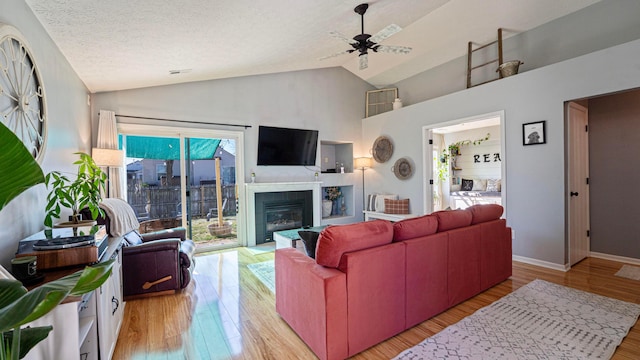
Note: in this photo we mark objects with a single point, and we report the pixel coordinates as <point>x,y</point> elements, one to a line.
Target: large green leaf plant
<point>18,169</point>
<point>18,172</point>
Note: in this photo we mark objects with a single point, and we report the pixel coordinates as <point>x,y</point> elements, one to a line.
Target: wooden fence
<point>156,202</point>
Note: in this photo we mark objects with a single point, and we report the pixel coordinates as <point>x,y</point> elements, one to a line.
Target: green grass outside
<point>201,236</point>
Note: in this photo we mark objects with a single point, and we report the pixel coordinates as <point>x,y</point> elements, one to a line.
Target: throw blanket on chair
<point>122,219</point>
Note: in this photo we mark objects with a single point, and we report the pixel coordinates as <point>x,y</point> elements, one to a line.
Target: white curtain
<point>108,139</point>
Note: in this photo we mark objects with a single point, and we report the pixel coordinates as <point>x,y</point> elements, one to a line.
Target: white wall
<point>535,174</point>
<point>331,100</point>
<point>68,125</point>
<point>479,168</point>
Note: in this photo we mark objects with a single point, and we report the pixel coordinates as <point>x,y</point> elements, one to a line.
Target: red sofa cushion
<point>376,295</point>
<point>415,227</point>
<point>484,213</point>
<point>426,277</point>
<point>495,253</point>
<point>452,219</point>
<point>334,241</point>
<point>463,269</point>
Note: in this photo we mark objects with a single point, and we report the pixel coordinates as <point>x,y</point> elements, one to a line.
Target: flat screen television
<point>284,146</point>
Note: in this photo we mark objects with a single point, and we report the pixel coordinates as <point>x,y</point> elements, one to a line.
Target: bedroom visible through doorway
<point>465,163</point>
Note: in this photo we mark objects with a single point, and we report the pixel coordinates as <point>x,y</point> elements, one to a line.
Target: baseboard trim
<point>542,263</point>
<point>617,258</point>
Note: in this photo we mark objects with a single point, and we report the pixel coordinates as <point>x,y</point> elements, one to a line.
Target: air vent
<point>182,71</point>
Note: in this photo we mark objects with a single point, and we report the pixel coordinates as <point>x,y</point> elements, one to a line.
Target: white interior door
<point>578,187</point>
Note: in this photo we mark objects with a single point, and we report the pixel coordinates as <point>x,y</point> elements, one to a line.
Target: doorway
<point>613,145</point>
<point>464,162</point>
<point>188,178</point>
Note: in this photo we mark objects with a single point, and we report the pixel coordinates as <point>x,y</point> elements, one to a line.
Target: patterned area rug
<point>629,272</point>
<point>540,320</point>
<point>265,272</point>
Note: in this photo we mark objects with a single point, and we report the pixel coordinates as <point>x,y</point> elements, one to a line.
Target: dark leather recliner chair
<point>155,263</point>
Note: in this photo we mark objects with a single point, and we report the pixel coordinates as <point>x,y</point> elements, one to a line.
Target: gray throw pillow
<point>309,239</point>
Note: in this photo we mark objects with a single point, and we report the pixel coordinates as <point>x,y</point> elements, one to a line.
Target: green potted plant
<point>18,172</point>
<point>82,192</point>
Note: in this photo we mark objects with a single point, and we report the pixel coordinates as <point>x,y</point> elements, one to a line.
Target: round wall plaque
<point>402,169</point>
<point>382,149</point>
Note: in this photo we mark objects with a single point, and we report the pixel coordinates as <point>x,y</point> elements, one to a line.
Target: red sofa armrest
<point>312,299</point>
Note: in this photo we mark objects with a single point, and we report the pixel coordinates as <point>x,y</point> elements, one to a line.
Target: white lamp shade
<point>108,157</point>
<point>362,163</point>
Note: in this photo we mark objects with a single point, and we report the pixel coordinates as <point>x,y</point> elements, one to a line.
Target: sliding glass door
<point>180,180</point>
<point>211,192</point>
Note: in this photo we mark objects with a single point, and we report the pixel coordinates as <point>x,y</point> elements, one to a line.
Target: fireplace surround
<point>282,210</point>
<point>257,188</point>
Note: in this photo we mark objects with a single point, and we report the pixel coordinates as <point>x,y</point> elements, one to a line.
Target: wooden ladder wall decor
<point>471,67</point>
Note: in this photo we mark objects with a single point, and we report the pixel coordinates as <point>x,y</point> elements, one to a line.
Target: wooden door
<point>578,185</point>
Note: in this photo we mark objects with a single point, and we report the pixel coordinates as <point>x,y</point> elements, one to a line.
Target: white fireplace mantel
<point>253,188</point>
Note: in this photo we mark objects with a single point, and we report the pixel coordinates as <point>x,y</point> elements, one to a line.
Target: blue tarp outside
<point>161,148</point>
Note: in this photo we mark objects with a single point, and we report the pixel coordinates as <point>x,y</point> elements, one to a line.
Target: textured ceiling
<point>123,44</point>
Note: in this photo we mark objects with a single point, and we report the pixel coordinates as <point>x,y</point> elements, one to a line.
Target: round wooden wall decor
<point>382,149</point>
<point>402,169</point>
<point>22,100</point>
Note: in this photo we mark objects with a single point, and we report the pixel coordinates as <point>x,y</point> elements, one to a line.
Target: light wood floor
<point>227,313</point>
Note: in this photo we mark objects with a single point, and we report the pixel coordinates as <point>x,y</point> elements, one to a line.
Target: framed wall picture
<point>533,133</point>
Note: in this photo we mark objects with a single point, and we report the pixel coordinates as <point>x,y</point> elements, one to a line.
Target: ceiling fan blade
<point>392,49</point>
<point>385,33</point>
<point>364,61</point>
<point>336,54</point>
<point>337,35</point>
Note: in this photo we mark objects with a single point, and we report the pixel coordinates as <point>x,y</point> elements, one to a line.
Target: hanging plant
<point>452,151</point>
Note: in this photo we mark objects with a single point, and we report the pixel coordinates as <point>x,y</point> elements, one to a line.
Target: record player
<point>63,247</point>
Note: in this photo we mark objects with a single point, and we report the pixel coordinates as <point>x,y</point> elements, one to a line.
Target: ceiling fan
<point>365,42</point>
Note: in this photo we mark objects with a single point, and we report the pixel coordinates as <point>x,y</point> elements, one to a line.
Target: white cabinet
<point>88,327</point>
<point>110,309</point>
<point>84,328</point>
<point>62,342</point>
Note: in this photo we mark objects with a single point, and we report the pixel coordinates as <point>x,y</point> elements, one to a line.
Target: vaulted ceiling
<point>123,44</point>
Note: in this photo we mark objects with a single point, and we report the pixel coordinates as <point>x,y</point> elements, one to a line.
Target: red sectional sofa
<point>375,279</point>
